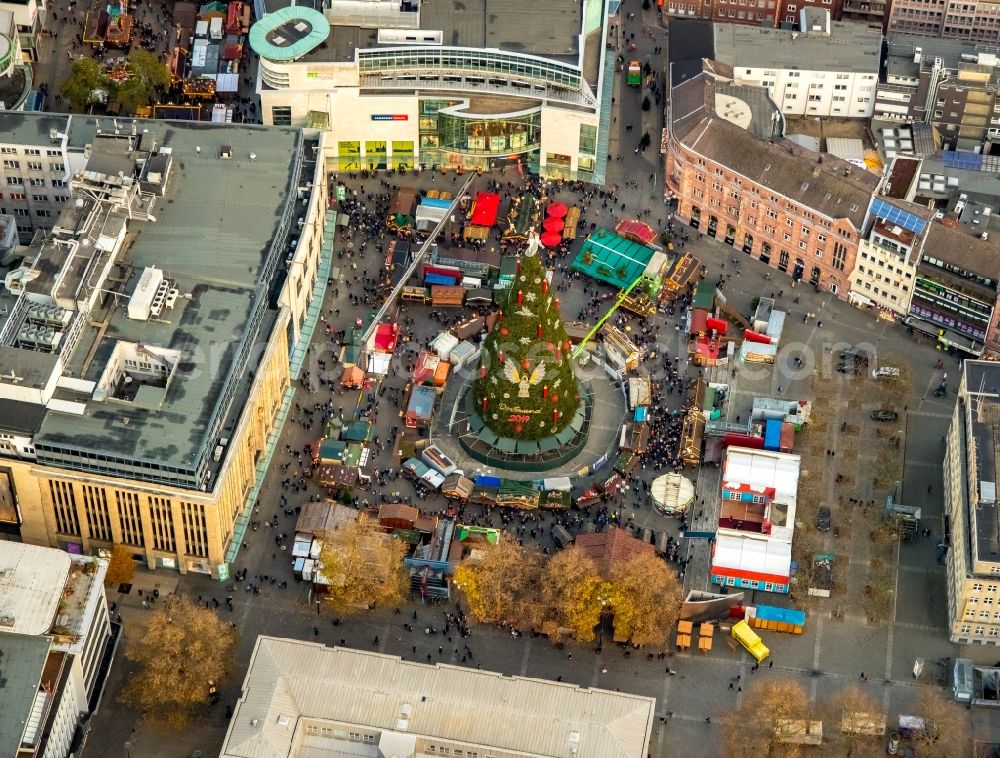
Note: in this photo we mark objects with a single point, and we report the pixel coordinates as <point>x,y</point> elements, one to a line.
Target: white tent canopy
<point>672,493</point>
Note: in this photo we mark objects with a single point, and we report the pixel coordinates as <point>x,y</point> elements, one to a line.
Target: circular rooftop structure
<point>6,55</point>
<point>289,33</point>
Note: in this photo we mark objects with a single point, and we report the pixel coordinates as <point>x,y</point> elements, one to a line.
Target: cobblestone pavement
<point>60,42</point>
<point>834,648</point>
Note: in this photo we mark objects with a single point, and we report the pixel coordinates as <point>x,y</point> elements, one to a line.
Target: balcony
<point>477,86</point>
<point>744,517</point>
<point>870,8</point>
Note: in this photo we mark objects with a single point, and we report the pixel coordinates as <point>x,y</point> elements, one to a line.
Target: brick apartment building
<point>977,20</point>
<point>758,192</point>
<point>874,12</point>
<point>752,12</point>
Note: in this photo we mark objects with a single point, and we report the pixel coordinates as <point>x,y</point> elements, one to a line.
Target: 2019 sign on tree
<point>516,418</point>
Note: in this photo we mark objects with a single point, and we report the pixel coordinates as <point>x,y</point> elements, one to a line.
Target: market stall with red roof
<point>386,336</point>
<point>550,239</point>
<point>484,209</point>
<point>557,210</point>
<point>553,224</point>
<point>637,231</point>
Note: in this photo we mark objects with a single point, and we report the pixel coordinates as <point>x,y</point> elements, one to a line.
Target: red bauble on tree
<point>518,428</point>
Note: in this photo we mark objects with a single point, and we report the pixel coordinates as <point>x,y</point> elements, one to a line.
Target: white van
<point>885,372</point>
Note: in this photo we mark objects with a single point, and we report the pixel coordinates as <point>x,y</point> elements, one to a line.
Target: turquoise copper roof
<point>289,33</point>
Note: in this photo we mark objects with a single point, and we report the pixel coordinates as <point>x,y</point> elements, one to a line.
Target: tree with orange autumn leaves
<point>506,582</point>
<point>183,650</point>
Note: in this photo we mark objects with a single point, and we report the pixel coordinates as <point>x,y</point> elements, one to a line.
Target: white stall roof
<point>227,82</point>
<point>443,344</point>
<point>745,554</point>
<point>761,469</point>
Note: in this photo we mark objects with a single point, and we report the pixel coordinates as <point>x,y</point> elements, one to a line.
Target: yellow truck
<point>748,638</point>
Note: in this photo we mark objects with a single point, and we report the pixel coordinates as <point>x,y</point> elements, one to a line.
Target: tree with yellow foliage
<point>497,580</point>
<point>771,711</point>
<point>121,567</point>
<point>645,598</point>
<point>183,650</point>
<point>363,566</point>
<point>573,593</point>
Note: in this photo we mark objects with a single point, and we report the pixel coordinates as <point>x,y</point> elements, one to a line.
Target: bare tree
<point>854,720</point>
<point>761,726</point>
<point>947,731</point>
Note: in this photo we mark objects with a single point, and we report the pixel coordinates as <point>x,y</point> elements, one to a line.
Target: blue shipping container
<point>436,202</point>
<point>781,615</point>
<point>449,281</point>
<point>772,434</point>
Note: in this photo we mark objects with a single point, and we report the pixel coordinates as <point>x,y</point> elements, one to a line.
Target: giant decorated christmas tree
<point>526,388</point>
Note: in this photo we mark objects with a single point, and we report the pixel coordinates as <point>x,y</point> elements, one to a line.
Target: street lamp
<point>604,607</point>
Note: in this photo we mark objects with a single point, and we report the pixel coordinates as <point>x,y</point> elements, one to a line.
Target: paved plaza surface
<point>838,643</point>
<point>832,652</point>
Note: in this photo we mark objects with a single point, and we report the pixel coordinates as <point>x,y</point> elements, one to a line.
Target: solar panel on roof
<point>893,215</point>
<point>962,159</point>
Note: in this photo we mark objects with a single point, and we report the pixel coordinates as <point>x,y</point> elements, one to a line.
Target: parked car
<point>884,415</point>
<point>858,355</point>
<point>823,518</point>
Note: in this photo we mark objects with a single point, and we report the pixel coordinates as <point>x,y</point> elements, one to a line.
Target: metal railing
<point>461,84</point>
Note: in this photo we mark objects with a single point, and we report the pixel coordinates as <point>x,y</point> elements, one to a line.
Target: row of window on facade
<point>980,631</point>
<point>776,201</point>
<point>10,163</point>
<point>338,733</point>
<point>17,181</point>
<point>30,151</point>
<point>130,521</point>
<point>838,261</point>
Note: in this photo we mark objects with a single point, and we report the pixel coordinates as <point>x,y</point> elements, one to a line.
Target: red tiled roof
<point>610,547</point>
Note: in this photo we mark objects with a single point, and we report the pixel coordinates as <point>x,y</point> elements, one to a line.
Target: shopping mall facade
<point>391,95</point>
